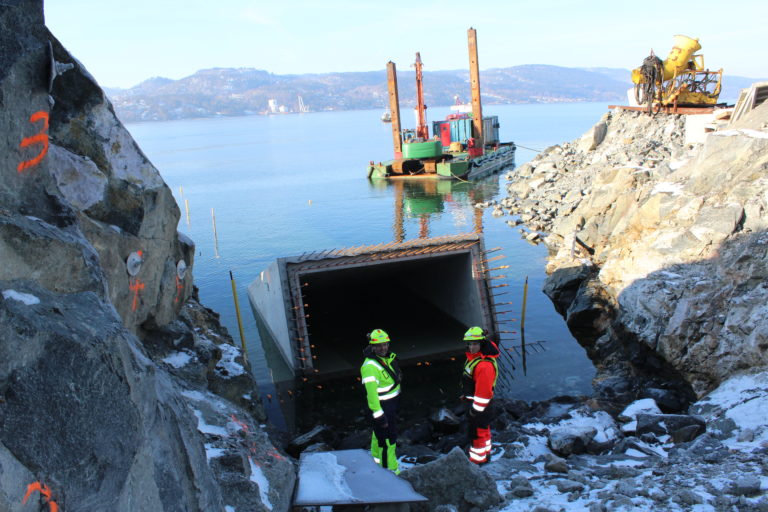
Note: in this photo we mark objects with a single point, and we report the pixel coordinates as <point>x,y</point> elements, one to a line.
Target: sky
<point>125,43</point>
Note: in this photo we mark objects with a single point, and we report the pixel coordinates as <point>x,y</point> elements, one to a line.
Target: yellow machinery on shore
<point>679,80</point>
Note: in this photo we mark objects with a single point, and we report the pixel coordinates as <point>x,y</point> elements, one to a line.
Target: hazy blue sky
<point>123,43</point>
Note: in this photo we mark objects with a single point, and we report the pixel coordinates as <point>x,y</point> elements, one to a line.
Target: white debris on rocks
<point>178,359</point>
<point>227,367</point>
<point>228,430</point>
<point>25,298</point>
<point>258,477</point>
<point>642,406</point>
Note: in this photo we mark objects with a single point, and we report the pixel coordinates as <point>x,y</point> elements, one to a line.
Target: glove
<point>381,421</point>
<point>472,411</point>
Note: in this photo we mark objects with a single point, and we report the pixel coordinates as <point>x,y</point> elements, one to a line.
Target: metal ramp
<point>349,477</point>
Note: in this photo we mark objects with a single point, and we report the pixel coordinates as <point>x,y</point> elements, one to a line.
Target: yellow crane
<point>681,79</point>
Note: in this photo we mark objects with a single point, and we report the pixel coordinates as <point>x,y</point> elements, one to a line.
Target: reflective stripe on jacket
<point>379,384</point>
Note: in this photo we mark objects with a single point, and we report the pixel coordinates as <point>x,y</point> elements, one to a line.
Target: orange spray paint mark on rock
<point>39,138</point>
<point>242,425</point>
<point>179,288</point>
<point>45,493</point>
<point>135,285</point>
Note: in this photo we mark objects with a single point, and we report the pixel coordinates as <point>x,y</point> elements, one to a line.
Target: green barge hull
<point>446,166</point>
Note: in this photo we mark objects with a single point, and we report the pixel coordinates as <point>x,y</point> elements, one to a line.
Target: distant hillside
<point>243,91</point>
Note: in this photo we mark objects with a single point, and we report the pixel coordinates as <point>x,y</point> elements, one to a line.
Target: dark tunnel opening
<point>424,303</point>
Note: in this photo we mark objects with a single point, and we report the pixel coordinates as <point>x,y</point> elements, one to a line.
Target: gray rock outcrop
<point>453,480</point>
<point>118,390</point>
<point>658,250</point>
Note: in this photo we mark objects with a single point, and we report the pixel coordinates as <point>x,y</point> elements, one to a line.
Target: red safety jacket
<point>480,373</point>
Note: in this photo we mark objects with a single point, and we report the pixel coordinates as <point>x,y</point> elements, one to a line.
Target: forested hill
<point>242,91</point>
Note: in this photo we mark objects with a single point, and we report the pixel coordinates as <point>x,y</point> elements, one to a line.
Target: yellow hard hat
<point>474,334</point>
<point>378,336</point>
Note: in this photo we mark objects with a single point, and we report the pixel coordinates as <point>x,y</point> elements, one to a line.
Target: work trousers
<point>479,432</point>
<point>384,440</point>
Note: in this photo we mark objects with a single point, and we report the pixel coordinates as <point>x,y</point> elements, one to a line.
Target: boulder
<point>590,140</point>
<point>444,420</point>
<point>416,433</point>
<point>319,434</point>
<point>661,424</point>
<point>452,480</point>
<point>96,404</point>
<point>555,464</point>
<point>643,406</point>
<point>668,400</point>
<point>568,440</point>
<point>417,454</point>
<point>520,487</point>
<point>746,485</point>
<point>564,485</point>
<point>563,285</point>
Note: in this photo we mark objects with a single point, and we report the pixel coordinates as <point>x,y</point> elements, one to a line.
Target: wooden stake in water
<point>237,312</point>
<point>522,343</point>
<point>186,207</point>
<point>215,235</point>
<point>525,300</point>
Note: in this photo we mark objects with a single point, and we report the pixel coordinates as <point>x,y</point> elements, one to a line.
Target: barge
<point>464,146</point>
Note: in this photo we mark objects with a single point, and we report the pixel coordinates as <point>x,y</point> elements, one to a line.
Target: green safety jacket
<point>378,382</point>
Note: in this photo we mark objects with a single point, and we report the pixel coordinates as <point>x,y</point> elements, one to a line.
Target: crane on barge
<point>422,131</point>
<point>461,148</point>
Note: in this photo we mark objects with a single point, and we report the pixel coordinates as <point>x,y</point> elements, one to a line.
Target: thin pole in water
<point>186,207</point>
<point>522,325</point>
<point>525,300</point>
<point>215,235</point>
<point>237,312</point>
<point>522,343</point>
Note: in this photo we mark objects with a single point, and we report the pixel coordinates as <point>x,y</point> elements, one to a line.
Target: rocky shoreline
<point>564,455</point>
<point>657,249</point>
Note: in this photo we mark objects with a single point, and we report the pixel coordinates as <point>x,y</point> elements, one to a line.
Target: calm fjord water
<point>289,184</point>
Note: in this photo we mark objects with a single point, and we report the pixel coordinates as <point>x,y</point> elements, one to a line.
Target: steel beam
<point>474,81</point>
<point>394,109</point>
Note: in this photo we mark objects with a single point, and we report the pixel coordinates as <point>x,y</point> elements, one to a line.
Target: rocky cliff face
<point>117,389</point>
<point>658,249</point>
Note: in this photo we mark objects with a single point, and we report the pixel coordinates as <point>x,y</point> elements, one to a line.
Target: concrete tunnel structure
<point>317,308</point>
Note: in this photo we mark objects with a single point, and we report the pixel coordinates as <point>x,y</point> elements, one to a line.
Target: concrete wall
<point>267,295</point>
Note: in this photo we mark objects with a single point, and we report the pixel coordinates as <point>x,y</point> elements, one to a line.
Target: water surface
<point>288,184</point>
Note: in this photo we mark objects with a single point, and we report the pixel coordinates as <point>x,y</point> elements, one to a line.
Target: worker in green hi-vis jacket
<point>381,377</point>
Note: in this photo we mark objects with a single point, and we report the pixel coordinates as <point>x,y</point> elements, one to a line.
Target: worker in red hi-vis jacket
<point>478,382</point>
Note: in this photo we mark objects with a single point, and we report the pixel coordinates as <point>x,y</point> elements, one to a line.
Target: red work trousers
<point>479,432</point>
